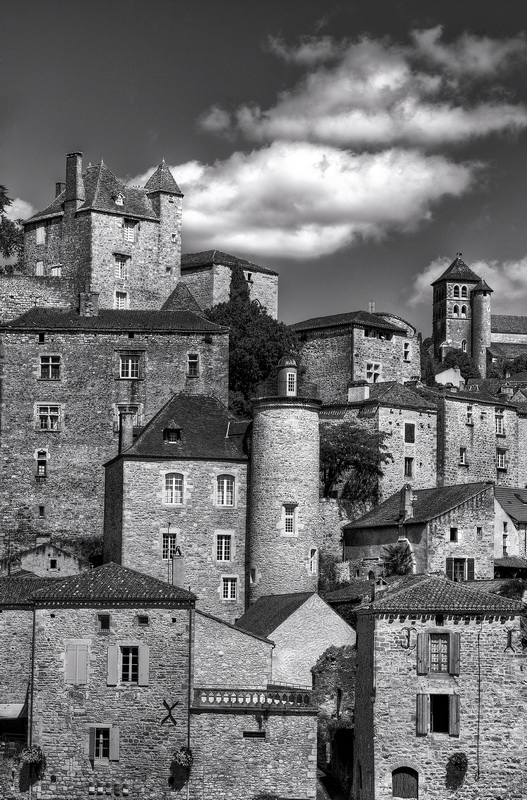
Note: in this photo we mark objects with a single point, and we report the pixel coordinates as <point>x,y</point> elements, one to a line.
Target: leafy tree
<point>457,358</point>
<point>350,454</point>
<point>398,559</point>
<point>11,236</point>
<point>518,364</point>
<point>427,362</point>
<point>256,343</point>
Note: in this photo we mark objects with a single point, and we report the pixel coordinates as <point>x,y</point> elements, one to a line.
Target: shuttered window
<point>460,569</point>
<point>76,664</point>
<point>128,663</point>
<point>103,743</point>
<point>423,714</point>
<point>438,652</point>
<point>437,713</point>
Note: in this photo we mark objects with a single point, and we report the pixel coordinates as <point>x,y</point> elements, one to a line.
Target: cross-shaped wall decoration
<point>169,715</point>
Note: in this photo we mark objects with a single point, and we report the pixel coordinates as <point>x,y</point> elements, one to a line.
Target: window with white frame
<point>99,747</point>
<point>464,345</point>
<point>55,271</point>
<point>121,266</point>
<point>42,463</point>
<point>289,513</point>
<point>119,200</point>
<point>225,490</point>
<point>48,417</point>
<point>50,368</point>
<point>313,561</point>
<point>130,365</point>
<point>174,488</point>
<point>120,301</point>
<point>223,547</point>
<point>39,269</point>
<point>460,569</point>
<point>129,230</point>
<point>373,372</point>
<point>128,663</point>
<point>500,421</point>
<point>192,365</point>
<point>408,467</point>
<point>291,384</point>
<point>501,458</point>
<point>463,456</point>
<point>41,234</point>
<point>169,545</point>
<point>229,588</point>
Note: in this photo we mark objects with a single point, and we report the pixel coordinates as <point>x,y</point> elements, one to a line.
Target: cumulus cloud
<point>303,200</point>
<point>507,278</point>
<point>380,93</point>
<point>19,209</point>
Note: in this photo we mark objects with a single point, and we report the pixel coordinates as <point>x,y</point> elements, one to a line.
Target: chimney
<point>74,182</point>
<point>59,188</point>
<point>406,508</point>
<point>371,307</point>
<point>126,428</point>
<point>178,569</point>
<point>358,391</point>
<point>89,303</point>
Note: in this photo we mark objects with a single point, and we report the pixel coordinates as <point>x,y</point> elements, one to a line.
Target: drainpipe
<point>189,691</point>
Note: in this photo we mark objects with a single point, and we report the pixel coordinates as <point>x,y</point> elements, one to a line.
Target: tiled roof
<point>182,298</point>
<point>507,323</point>
<point>392,393</point>
<point>113,320</point>
<point>264,616</point>
<point>505,350</point>
<point>112,583</point>
<point>482,287</point>
<point>359,589</point>
<point>207,258</point>
<point>512,562</point>
<point>440,595</point>
<point>458,271</point>
<point>18,589</point>
<point>492,585</point>
<point>162,181</point>
<point>428,504</point>
<point>208,431</point>
<point>349,319</point>
<point>513,501</point>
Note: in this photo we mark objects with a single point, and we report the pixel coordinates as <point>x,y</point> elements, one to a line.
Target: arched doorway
<point>405,783</point>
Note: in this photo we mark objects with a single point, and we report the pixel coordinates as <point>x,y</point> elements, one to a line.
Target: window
<point>313,561</point>
<point>174,238</point>
<point>50,368</point>
<point>500,422</point>
<point>169,545</point>
<point>408,467</point>
<point>501,459</point>
<point>290,384</point>
<point>48,417</point>
<point>463,456</point>
<point>454,533</point>
<point>142,620</point>
<point>225,490</point>
<point>41,234</point>
<point>254,734</point>
<point>438,713</point>
<point>463,311</point>
<point>290,519</point>
<point>103,623</point>
<point>42,511</point>
<point>56,271</point>
<point>172,435</point>
<point>128,663</point>
<point>129,365</point>
<point>121,267</point>
<point>39,269</point>
<point>41,338</point>
<point>438,652</point>
<point>470,418</point>
<point>229,588</point>
<point>456,291</point>
<point>406,351</point>
<point>103,743</point>
<point>76,664</point>
<point>373,372</point>
<point>192,365</point>
<point>223,547</point>
<point>464,345</point>
<point>479,532</point>
<point>42,463</point>
<point>464,292</point>
<point>174,489</point>
<point>409,432</point>
<point>119,200</point>
<point>129,232</point>
<point>121,300</point>
<point>505,544</point>
<point>460,569</point>
<point>53,563</point>
<point>455,311</point>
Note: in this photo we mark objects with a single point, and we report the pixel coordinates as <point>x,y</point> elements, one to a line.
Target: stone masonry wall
<point>197,523</point>
<point>423,451</point>
<point>229,658</point>
<point>389,353</point>
<point>327,361</point>
<point>365,693</point>
<point>232,767</point>
<point>16,637</point>
<point>20,293</point>
<point>210,285</point>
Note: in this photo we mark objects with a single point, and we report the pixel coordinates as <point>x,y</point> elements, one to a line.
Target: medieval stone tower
<point>481,325</point>
<point>284,524</point>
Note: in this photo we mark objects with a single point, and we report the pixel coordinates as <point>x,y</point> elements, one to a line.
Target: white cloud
<point>302,200</point>
<point>379,93</point>
<point>19,209</point>
<point>508,279</point>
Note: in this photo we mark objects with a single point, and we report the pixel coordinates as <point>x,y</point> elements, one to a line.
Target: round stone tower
<point>481,322</point>
<point>284,526</point>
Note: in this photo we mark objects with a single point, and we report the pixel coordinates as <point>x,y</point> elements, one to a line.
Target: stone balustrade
<point>277,700</point>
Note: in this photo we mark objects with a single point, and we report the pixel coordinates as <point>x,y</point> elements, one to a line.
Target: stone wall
<point>20,293</point>
<point>327,360</point>
<point>423,451</point>
<point>508,541</point>
<point>388,352</point>
<point>210,285</point>
<point>15,638</point>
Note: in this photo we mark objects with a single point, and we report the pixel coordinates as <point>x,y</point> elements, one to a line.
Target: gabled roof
<point>507,323</point>
<point>511,562</point>
<point>18,589</point>
<point>162,181</point>
<point>440,595</point>
<point>182,298</point>
<point>513,501</point>
<point>352,319</point>
<point>506,350</point>
<point>391,393</point>
<point>428,504</point>
<point>112,583</point>
<point>458,271</point>
<point>268,613</point>
<point>206,258</point>
<point>113,320</point>
<point>208,431</point>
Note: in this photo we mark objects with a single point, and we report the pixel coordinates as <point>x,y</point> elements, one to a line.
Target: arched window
<point>371,575</point>
<point>174,489</point>
<point>464,292</point>
<point>225,490</point>
<point>456,311</point>
<point>456,291</point>
<point>405,783</point>
<point>463,311</point>
<point>464,345</point>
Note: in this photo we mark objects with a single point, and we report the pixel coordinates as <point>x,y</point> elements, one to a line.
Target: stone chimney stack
<point>59,188</point>
<point>89,303</point>
<point>74,182</point>
<point>126,428</point>
<point>178,569</point>
<point>406,505</point>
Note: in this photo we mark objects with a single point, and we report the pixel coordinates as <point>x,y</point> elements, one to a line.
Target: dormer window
<point>119,200</point>
<point>172,435</point>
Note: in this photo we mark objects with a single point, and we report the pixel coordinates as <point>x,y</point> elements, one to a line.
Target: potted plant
<point>32,754</point>
<point>182,761</point>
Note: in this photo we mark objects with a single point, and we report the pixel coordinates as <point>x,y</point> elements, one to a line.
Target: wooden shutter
<point>70,658</point>
<point>91,744</point>
<point>114,743</point>
<point>144,657</point>
<point>453,715</point>
<point>470,569</point>
<point>112,674</point>
<point>450,568</point>
<point>423,714</point>
<point>454,653</point>
<point>422,653</point>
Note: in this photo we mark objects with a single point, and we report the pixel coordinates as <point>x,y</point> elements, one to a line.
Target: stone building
<point>46,559</point>
<point>176,502</point>
<point>356,346</point>
<point>431,717</point>
<point>449,529</point>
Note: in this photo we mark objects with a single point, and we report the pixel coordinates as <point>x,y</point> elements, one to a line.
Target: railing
<point>271,699</point>
<point>305,389</point>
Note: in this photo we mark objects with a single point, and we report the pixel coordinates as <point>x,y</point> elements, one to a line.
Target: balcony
<point>276,700</point>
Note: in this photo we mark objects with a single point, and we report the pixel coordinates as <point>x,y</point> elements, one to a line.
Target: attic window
<point>119,200</point>
<point>172,435</point>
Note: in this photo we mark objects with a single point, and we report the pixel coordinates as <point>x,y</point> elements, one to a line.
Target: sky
<point>353,147</point>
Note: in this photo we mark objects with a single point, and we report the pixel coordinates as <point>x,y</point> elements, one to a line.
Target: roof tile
<point>209,257</point>
<point>348,319</point>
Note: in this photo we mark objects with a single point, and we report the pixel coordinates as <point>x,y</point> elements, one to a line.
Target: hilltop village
<point>200,659</point>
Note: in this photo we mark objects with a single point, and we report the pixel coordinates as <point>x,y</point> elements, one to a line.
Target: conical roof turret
<point>457,271</point>
<point>162,181</point>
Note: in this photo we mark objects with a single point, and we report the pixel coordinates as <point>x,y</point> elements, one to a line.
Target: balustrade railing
<point>252,698</point>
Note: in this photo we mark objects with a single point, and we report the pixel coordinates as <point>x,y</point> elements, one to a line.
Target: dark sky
<point>353,147</point>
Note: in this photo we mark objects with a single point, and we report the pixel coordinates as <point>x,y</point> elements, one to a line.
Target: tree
<point>257,342</point>
<point>11,236</point>
<point>398,559</point>
<point>518,364</point>
<point>427,362</point>
<point>352,455</point>
<point>457,358</point>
